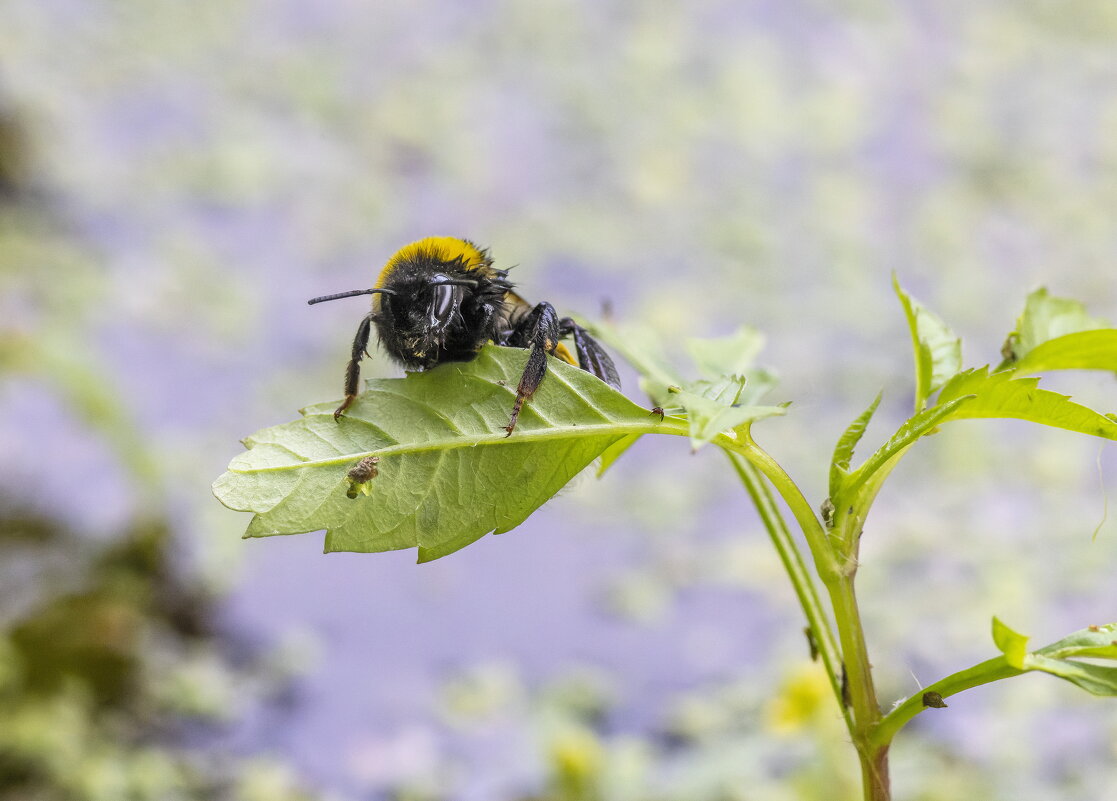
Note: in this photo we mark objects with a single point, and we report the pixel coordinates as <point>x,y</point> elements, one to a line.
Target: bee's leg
<point>353,370</point>
<point>539,331</point>
<point>490,324</point>
<point>591,356</point>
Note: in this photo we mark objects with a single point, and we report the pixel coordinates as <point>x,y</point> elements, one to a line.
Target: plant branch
<point>822,551</point>
<point>988,671</point>
<point>792,559</point>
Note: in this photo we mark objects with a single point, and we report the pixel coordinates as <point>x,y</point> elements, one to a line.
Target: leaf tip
<point>1011,643</point>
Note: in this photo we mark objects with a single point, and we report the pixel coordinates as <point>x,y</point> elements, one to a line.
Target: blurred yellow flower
<point>803,695</point>
<point>577,759</point>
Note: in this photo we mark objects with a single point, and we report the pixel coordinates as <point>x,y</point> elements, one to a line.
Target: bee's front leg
<point>539,331</point>
<point>353,369</point>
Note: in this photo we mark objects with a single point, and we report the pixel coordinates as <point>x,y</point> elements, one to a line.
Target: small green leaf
<point>938,352</point>
<point>732,390</point>
<point>905,436</point>
<point>726,390</point>
<point>1084,350</point>
<point>712,409</point>
<point>1060,659</point>
<point>1095,679</point>
<point>999,395</point>
<point>1098,642</point>
<point>714,405</point>
<point>446,474</point>
<point>976,394</point>
<point>759,381</point>
<point>1014,646</point>
<point>731,355</point>
<point>843,451</point>
<point>1046,318</point>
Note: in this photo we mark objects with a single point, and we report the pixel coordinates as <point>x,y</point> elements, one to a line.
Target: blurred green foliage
<point>100,678</point>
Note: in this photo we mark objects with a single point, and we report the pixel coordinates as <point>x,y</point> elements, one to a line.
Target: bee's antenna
<point>349,294</point>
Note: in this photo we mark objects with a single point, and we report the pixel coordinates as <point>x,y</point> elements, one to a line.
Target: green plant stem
<point>822,552</point>
<point>837,571</point>
<point>820,626</point>
<point>846,538</point>
<point>862,692</point>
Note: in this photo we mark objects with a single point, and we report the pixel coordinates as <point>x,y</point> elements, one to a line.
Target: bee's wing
<point>593,359</point>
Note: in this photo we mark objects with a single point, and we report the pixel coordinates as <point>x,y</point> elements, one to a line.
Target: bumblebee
<point>441,300</point>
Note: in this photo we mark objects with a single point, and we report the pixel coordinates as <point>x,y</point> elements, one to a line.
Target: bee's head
<point>423,312</point>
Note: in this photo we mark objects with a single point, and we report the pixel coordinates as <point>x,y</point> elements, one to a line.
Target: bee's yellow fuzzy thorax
<point>443,248</point>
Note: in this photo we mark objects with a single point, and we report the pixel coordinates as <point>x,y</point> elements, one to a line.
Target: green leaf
<point>1046,318</point>
<point>905,436</point>
<point>999,395</point>
<point>1084,350</point>
<point>968,395</point>
<point>938,352</point>
<point>758,383</point>
<point>713,407</point>
<point>730,390</point>
<point>1013,645</point>
<point>843,451</point>
<point>1098,642</point>
<point>731,355</point>
<point>724,361</point>
<point>726,402</point>
<point>1095,679</point>
<point>726,390</point>
<point>1061,659</point>
<point>447,475</point>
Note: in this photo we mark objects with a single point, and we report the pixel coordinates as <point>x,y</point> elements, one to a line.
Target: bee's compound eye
<point>444,305</point>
